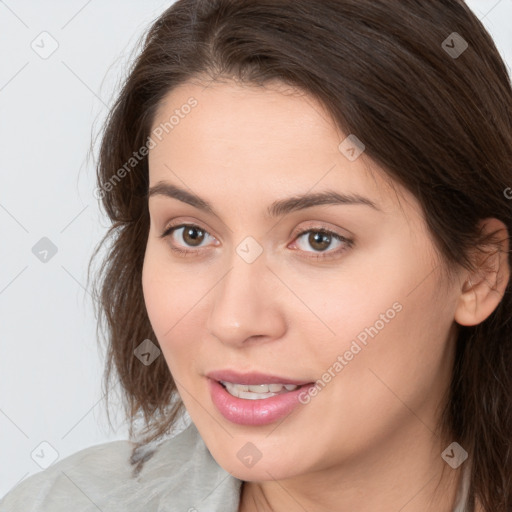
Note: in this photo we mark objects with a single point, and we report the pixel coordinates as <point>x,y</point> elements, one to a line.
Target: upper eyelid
<point>297,232</point>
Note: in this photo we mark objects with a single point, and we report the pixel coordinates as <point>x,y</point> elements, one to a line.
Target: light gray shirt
<point>180,476</point>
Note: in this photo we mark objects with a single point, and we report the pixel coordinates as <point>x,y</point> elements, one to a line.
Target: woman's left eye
<point>319,238</point>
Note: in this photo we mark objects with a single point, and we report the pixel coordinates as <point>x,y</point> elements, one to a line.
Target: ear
<point>483,290</point>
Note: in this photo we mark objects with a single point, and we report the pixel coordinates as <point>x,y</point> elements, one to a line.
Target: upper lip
<point>252,378</point>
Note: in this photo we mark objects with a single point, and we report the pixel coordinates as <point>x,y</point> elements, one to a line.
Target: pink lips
<point>252,378</point>
<point>253,412</point>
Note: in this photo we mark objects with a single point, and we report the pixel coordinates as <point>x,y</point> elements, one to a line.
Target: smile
<point>258,391</point>
<point>254,404</point>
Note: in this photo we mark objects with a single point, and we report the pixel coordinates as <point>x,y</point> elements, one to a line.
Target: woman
<point>311,208</point>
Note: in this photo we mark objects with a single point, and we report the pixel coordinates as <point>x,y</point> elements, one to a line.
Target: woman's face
<point>368,316</point>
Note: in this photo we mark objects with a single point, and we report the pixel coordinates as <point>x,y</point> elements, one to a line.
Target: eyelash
<point>317,256</point>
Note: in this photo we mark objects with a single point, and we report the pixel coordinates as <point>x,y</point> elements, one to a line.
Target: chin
<point>260,472</point>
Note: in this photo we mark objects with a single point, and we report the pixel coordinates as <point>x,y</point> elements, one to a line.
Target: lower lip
<point>254,412</point>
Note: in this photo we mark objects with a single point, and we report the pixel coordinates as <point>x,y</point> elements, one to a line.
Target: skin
<point>368,440</point>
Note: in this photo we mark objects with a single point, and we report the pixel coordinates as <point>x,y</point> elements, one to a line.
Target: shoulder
<point>177,474</point>
<point>182,476</point>
<point>103,461</point>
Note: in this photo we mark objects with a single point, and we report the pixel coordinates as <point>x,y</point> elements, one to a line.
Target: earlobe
<point>483,290</point>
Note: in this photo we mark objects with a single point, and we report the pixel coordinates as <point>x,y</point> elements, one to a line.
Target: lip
<point>252,378</point>
<point>263,411</point>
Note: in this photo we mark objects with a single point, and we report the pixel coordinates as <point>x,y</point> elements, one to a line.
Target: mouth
<point>257,391</point>
<point>255,399</point>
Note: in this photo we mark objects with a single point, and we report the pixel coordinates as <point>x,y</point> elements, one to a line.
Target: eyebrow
<point>277,208</point>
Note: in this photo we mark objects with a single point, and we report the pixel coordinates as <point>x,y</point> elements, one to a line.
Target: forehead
<point>270,139</point>
<point>275,118</point>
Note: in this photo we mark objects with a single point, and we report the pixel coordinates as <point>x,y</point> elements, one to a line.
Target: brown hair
<point>437,123</point>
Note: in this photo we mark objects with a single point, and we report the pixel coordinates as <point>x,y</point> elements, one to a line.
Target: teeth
<point>258,388</point>
<point>257,391</point>
<point>250,395</point>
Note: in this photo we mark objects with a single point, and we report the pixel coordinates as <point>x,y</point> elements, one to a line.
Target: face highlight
<point>347,294</point>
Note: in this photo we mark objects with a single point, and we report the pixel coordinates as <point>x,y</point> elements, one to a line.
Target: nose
<point>247,304</point>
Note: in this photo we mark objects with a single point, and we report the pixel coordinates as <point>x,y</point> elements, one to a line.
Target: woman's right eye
<point>191,234</point>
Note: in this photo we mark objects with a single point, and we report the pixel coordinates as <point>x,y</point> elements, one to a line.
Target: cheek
<point>403,361</point>
<point>154,286</point>
<point>402,367</point>
<point>171,294</point>
<point>166,290</point>
<point>163,305</point>
<point>390,331</point>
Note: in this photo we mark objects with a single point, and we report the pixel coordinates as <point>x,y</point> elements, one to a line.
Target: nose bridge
<point>241,303</point>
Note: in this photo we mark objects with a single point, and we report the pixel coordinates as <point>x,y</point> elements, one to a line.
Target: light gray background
<point>50,366</point>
